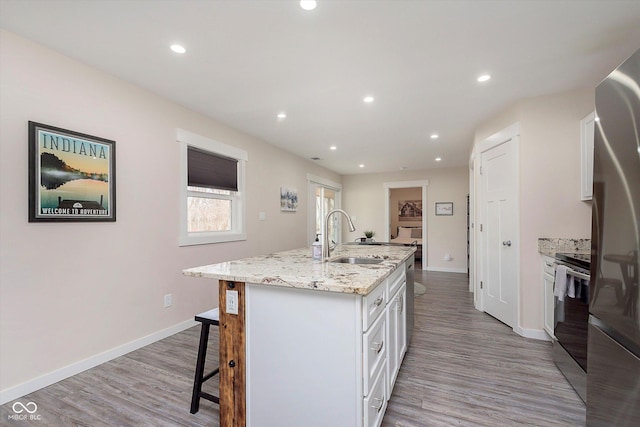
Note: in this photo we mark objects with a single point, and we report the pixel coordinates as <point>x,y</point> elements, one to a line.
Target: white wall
<point>70,291</point>
<point>364,196</point>
<point>550,204</point>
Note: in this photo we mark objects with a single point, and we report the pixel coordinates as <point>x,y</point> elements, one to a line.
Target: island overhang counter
<point>313,343</point>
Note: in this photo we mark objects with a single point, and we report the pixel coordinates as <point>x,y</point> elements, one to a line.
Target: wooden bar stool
<point>208,318</point>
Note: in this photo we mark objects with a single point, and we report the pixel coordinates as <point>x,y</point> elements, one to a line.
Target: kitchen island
<point>313,343</point>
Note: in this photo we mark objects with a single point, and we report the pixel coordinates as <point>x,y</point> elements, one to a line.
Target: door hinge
<point>480,227</point>
<point>480,170</point>
<point>481,284</point>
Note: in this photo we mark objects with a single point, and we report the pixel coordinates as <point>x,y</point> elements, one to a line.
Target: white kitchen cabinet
<point>375,403</point>
<point>375,347</point>
<point>374,305</point>
<point>587,130</point>
<point>397,279</point>
<point>548,277</point>
<point>396,315</point>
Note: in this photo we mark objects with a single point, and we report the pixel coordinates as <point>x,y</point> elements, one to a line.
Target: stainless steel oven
<point>571,290</point>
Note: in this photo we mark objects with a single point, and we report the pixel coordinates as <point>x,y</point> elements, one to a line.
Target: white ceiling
<point>247,61</point>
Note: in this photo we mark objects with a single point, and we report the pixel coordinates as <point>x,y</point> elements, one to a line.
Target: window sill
<point>205,239</point>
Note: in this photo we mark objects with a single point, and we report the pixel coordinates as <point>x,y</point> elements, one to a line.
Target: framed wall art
<point>288,199</point>
<point>72,176</point>
<point>409,210</point>
<point>444,208</point>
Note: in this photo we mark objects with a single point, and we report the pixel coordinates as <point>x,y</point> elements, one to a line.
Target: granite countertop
<point>549,246</point>
<point>297,269</point>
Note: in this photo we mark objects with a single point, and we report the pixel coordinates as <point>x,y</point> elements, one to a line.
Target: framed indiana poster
<point>72,176</point>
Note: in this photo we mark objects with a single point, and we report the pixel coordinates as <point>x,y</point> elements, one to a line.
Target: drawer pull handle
<point>378,405</point>
<point>377,346</point>
<point>378,301</point>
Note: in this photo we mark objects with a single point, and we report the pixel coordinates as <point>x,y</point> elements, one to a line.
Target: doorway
<point>404,212</point>
<point>324,196</point>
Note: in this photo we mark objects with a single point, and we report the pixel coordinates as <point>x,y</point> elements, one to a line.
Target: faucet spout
<point>326,248</point>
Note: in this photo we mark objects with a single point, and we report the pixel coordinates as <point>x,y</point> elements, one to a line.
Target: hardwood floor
<point>148,387</point>
<point>464,368</point>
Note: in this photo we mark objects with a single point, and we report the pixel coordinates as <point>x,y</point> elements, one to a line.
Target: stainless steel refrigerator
<point>613,362</point>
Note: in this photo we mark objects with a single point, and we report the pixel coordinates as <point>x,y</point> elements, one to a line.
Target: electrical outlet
<point>168,300</point>
<point>232,302</point>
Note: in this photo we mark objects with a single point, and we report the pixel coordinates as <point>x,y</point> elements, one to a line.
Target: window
<point>212,195</point>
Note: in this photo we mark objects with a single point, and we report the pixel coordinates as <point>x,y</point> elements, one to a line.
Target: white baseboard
<point>536,334</point>
<point>45,380</point>
<point>447,270</point>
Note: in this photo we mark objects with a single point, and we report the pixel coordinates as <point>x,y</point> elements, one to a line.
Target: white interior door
<point>499,181</point>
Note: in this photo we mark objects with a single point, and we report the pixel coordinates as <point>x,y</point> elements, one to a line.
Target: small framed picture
<point>72,176</point>
<point>288,199</point>
<point>444,208</point>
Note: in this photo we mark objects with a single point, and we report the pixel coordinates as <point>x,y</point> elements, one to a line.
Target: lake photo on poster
<point>79,189</point>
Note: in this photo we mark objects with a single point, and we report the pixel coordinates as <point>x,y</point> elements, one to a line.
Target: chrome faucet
<point>326,249</point>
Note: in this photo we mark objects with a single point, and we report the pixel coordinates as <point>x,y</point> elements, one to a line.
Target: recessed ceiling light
<point>282,115</point>
<point>333,147</point>
<point>178,48</point>
<point>438,159</point>
<point>484,78</point>
<point>597,119</point>
<point>308,4</point>
<point>368,99</point>
<point>434,136</point>
<point>361,165</point>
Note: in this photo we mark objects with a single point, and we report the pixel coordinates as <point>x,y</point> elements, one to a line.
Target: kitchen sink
<point>353,260</point>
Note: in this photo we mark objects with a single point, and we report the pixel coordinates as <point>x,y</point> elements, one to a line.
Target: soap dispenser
<point>316,249</point>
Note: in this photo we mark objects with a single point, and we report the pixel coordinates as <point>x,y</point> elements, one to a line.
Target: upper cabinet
<point>587,127</point>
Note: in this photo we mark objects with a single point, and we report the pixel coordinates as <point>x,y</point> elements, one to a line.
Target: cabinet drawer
<point>374,348</point>
<point>374,305</point>
<point>548,266</point>
<point>376,403</point>
<point>397,279</point>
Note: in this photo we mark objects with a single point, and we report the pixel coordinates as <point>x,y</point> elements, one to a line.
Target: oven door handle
<point>577,274</point>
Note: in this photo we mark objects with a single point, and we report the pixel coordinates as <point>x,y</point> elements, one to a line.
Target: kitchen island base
<point>313,343</point>
<point>313,358</point>
<point>304,357</point>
